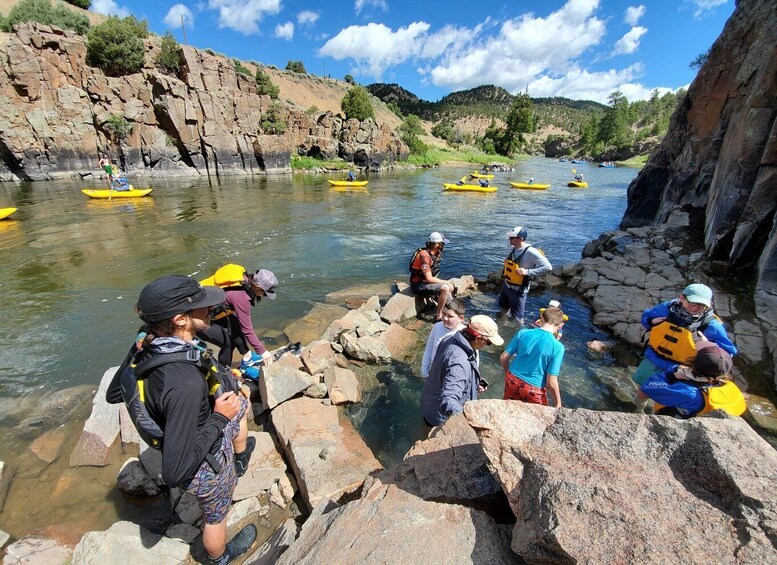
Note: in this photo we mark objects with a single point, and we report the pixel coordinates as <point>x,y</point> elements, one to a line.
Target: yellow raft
<point>527,186</point>
<point>105,193</point>
<point>578,184</point>
<point>477,175</point>
<point>5,212</point>
<point>469,188</point>
<point>348,182</point>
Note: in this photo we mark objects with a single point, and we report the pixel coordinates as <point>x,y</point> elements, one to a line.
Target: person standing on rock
<point>106,165</point>
<point>202,433</point>
<point>532,361</point>
<point>455,377</point>
<point>232,328</point>
<point>522,264</point>
<point>674,329</point>
<point>424,268</point>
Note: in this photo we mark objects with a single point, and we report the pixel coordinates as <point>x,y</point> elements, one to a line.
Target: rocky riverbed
<point>504,482</point>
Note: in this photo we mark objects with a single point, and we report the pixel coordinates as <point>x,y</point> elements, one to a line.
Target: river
<point>71,269</point>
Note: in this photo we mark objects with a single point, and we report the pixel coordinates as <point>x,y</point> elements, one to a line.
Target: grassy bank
<point>638,161</point>
<point>432,158</point>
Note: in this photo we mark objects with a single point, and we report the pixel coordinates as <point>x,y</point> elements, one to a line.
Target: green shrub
<point>312,110</point>
<point>273,121</point>
<point>265,86</point>
<point>80,3</point>
<point>116,45</point>
<point>210,51</point>
<point>357,103</point>
<point>43,12</point>
<point>349,79</point>
<point>240,68</point>
<point>118,127</point>
<point>296,67</point>
<point>170,58</point>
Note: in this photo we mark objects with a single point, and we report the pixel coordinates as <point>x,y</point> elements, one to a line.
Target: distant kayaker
<point>579,177</point>
<point>531,180</point>
<point>351,176</point>
<point>483,182</point>
<point>522,264</point>
<point>424,268</point>
<point>106,165</point>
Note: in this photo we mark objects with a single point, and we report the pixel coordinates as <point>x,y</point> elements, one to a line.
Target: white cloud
<point>704,6</point>
<point>523,49</point>
<point>630,41</point>
<point>361,4</point>
<point>285,31</point>
<point>634,14</point>
<point>243,15</point>
<point>109,8</point>
<point>375,47</point>
<point>307,17</point>
<point>580,84</point>
<point>174,15</point>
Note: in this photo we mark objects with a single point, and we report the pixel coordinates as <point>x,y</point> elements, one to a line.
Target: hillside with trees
<point>551,126</point>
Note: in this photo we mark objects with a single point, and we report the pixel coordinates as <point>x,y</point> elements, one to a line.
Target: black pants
<point>226,335</point>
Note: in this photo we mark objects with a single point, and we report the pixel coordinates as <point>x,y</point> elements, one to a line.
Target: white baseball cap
<point>436,237</point>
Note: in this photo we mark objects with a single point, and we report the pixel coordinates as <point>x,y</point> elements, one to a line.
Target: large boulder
<point>327,455</point>
<point>125,542</point>
<point>100,430</point>
<point>279,382</point>
<point>389,525</point>
<point>450,466</point>
<point>265,468</point>
<point>607,487</point>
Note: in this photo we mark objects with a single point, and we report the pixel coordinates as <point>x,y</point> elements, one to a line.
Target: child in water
<point>538,322</point>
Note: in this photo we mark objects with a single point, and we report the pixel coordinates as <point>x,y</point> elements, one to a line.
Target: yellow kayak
<point>348,182</point>
<point>469,188</point>
<point>527,186</point>
<point>5,212</point>
<point>105,193</point>
<point>477,175</point>
<point>577,184</point>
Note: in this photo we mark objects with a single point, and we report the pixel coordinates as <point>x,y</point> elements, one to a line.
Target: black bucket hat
<point>167,296</point>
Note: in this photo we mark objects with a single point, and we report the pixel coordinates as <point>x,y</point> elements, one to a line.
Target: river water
<point>71,269</point>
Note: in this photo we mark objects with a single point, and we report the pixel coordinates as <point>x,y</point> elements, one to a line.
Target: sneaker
<point>237,546</point>
<point>242,459</point>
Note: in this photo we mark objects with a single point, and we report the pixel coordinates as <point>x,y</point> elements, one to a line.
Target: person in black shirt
<point>204,438</point>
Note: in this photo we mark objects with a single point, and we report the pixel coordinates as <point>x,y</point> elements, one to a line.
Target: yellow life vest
<point>673,342</point>
<point>510,272</point>
<point>726,396</point>
<point>228,275</point>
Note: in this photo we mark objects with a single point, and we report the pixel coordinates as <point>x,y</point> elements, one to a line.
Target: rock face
<point>579,483</point>
<point>718,160</point>
<point>55,110</point>
<point>389,525</point>
<point>328,457</point>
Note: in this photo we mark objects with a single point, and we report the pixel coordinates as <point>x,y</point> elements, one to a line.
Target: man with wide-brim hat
<point>204,445</point>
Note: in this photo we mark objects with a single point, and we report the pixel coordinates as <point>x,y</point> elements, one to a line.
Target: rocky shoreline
<point>502,483</point>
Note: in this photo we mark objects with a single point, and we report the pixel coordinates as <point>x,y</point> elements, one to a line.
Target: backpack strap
<point>152,362</point>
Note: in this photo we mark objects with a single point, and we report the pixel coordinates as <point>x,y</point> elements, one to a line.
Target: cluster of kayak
<point>463,186</point>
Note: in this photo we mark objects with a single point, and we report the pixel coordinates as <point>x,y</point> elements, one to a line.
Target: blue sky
<point>581,49</point>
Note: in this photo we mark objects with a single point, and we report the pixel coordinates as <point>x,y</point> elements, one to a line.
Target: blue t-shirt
<point>537,354</point>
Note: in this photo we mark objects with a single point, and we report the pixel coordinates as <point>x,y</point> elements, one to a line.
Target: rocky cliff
<point>55,110</point>
<point>718,161</point>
